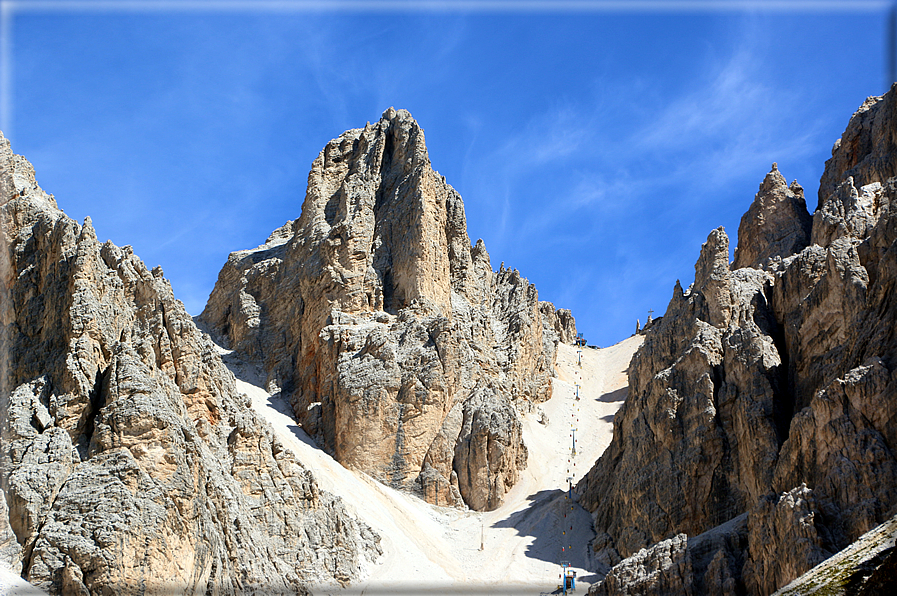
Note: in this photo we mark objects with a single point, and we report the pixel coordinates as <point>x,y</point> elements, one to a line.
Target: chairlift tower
<point>568,577</point>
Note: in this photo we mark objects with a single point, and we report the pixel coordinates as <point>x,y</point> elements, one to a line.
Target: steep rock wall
<point>768,392</point>
<point>402,352</point>
<point>129,462</point>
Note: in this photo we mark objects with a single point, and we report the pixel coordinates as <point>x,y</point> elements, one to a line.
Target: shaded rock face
<point>775,226</point>
<point>768,392</point>
<point>868,566</point>
<point>789,519</point>
<point>402,352</point>
<point>681,565</point>
<point>129,461</point>
<point>696,437</point>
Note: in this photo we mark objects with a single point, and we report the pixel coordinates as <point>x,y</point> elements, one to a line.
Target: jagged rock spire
<point>129,460</point>
<point>401,350</point>
<point>775,226</point>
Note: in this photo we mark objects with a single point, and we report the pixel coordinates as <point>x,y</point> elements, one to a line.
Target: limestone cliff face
<point>775,226</point>
<point>696,438</point>
<point>403,353</point>
<point>759,432</point>
<point>129,461</point>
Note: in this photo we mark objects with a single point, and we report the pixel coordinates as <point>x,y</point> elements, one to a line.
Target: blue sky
<point>595,144</point>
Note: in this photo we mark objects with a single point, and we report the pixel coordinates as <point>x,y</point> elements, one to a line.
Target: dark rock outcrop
<point>775,226</point>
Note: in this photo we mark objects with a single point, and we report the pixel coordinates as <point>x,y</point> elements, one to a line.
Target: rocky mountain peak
<point>128,459</point>
<point>775,226</point>
<point>378,219</point>
<point>400,349</point>
<point>712,278</point>
<point>18,185</point>
<point>867,151</point>
<point>773,179</point>
<point>757,436</point>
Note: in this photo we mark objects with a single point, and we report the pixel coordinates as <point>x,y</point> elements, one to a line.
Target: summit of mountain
<point>758,436</point>
<point>130,462</point>
<point>401,351</point>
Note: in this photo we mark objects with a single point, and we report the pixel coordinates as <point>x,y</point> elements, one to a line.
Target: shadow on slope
<point>560,527</point>
<point>251,373</point>
<point>614,396</point>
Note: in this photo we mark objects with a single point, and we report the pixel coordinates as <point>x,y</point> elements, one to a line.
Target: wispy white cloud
<point>725,127</point>
<point>733,105</point>
<point>638,178</point>
<point>727,100</point>
<point>546,139</point>
<point>550,136</point>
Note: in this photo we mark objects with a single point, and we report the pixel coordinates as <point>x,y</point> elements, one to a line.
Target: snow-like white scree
<point>13,585</point>
<point>429,549</point>
<point>436,550</point>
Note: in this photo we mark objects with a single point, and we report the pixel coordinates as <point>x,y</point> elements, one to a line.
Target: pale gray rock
<point>526,362</point>
<point>489,452</point>
<point>783,540</point>
<point>768,391</point>
<point>10,550</point>
<point>377,318</point>
<point>129,461</point>
<point>558,325</point>
<point>848,212</point>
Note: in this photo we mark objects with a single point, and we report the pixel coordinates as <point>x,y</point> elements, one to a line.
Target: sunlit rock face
<point>129,461</point>
<point>402,352</point>
<point>759,432</point>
